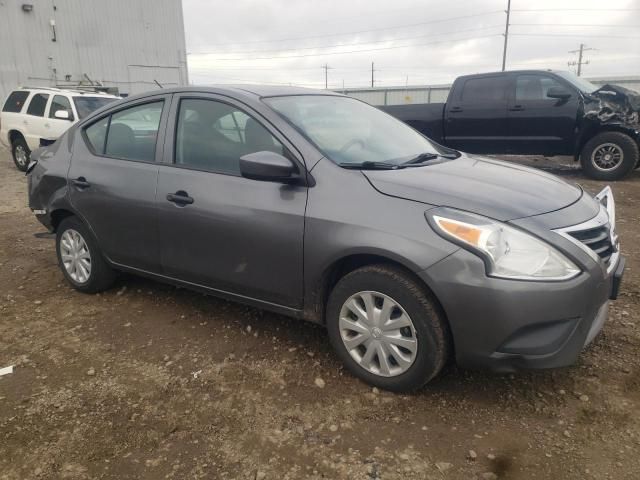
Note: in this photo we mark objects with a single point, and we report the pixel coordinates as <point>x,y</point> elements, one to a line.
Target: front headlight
<point>507,251</point>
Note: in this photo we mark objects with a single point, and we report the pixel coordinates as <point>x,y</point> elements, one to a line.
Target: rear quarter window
<point>480,90</point>
<point>15,101</point>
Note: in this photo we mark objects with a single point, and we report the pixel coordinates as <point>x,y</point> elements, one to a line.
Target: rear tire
<point>609,156</point>
<point>21,153</point>
<point>412,355</point>
<point>80,258</point>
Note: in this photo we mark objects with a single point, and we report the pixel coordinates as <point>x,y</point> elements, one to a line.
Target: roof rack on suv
<point>80,89</point>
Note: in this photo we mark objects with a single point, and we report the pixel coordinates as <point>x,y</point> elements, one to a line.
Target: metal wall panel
<point>118,43</point>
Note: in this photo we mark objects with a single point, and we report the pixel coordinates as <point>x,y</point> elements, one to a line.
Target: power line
<point>570,25</point>
<point>353,44</point>
<point>573,35</point>
<point>431,22</point>
<point>576,10</point>
<point>362,50</point>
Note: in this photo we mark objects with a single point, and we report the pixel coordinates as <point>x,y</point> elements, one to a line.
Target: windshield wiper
<point>428,156</point>
<point>369,165</point>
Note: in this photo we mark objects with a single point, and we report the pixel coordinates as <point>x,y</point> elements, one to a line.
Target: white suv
<point>34,117</point>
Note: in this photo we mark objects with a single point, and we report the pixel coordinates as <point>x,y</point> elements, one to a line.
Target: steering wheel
<point>350,144</point>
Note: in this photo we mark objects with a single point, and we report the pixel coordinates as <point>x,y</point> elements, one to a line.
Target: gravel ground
<point>148,381</point>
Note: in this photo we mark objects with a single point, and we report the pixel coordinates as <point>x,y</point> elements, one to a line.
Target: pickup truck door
<point>476,115</point>
<point>539,124</point>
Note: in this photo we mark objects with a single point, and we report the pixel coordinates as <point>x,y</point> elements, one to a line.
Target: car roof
<point>239,91</point>
<point>63,91</point>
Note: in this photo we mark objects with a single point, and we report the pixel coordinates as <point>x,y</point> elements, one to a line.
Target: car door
<point>34,121</point>
<point>539,124</point>
<point>476,116</point>
<point>217,228</point>
<point>113,178</point>
<point>57,126</point>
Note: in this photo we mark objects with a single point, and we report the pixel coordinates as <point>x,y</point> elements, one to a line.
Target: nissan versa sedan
<point>321,207</point>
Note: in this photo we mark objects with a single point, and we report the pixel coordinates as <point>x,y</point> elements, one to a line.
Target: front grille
<point>597,239</point>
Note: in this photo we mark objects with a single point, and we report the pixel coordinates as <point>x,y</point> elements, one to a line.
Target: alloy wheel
<point>607,156</point>
<point>378,333</point>
<point>21,155</point>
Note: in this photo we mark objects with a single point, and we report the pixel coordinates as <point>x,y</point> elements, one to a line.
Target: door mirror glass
<point>267,166</point>
<point>558,92</point>
<point>62,115</point>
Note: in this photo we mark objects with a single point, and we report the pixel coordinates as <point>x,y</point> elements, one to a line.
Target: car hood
<point>500,190</point>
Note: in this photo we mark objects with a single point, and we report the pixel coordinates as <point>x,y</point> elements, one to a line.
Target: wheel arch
<point>589,133</point>
<point>317,299</point>
<point>14,134</point>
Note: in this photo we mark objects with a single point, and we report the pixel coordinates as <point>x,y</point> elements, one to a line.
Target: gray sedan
<point>321,207</point>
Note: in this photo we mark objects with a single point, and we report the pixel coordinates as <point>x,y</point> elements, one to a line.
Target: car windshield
<point>86,105</point>
<point>581,84</point>
<point>350,132</point>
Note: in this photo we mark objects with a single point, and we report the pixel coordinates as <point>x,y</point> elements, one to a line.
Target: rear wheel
<point>386,329</point>
<point>20,151</point>
<point>80,258</point>
<point>609,156</point>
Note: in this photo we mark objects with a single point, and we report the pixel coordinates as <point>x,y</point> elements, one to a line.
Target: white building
<point>124,45</point>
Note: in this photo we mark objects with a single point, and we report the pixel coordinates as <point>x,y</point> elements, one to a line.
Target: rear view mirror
<point>267,166</point>
<point>559,93</point>
<point>62,115</point>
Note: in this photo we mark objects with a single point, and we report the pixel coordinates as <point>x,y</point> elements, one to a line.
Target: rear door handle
<point>180,198</point>
<point>455,109</point>
<point>517,108</point>
<point>81,183</point>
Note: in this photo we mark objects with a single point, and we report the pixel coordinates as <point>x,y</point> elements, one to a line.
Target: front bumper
<point>506,325</point>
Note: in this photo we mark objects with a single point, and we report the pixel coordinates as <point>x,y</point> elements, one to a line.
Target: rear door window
<point>482,90</point>
<point>128,134</point>
<point>58,103</point>
<point>15,101</point>
<point>38,104</point>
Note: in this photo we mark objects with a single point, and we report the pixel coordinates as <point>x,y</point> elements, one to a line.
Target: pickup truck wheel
<point>385,328</point>
<point>609,156</point>
<point>20,151</point>
<point>80,258</point>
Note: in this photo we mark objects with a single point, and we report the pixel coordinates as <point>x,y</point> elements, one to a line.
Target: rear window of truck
<point>480,90</point>
<point>15,101</point>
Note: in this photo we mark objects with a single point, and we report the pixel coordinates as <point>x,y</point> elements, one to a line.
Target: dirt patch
<point>147,381</point>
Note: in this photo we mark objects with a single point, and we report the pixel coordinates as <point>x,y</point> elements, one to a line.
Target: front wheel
<point>80,258</point>
<point>386,329</point>
<point>21,153</point>
<point>609,156</point>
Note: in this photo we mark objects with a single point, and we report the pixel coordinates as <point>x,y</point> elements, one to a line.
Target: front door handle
<point>455,109</point>
<point>517,108</point>
<point>180,198</point>
<point>81,183</point>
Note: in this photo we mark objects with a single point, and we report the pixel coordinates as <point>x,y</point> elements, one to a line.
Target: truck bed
<point>426,117</point>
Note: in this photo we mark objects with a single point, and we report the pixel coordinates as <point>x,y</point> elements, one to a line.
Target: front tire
<point>609,156</point>
<point>386,329</point>
<point>80,258</point>
<point>21,153</point>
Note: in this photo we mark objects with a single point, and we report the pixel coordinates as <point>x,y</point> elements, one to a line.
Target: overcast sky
<point>426,42</point>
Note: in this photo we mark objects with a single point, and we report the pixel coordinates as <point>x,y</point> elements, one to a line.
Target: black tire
<point>101,276</point>
<point>431,330</point>
<point>623,143</point>
<point>18,146</point>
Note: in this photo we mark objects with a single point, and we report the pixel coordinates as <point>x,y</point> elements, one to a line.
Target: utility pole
<point>326,68</point>
<point>506,35</point>
<point>580,62</point>
<point>372,70</point>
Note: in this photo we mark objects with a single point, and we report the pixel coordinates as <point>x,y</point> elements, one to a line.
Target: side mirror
<point>560,93</point>
<point>62,114</point>
<point>267,166</point>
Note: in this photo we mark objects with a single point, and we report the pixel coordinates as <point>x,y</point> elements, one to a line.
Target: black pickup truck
<point>535,112</point>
